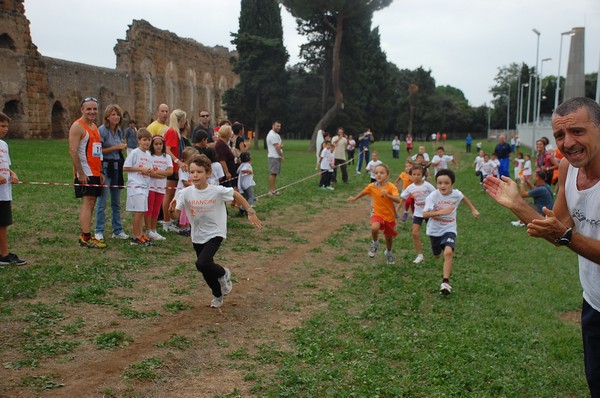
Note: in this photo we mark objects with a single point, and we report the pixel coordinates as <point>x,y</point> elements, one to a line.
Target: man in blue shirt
<point>540,192</point>
<point>503,152</point>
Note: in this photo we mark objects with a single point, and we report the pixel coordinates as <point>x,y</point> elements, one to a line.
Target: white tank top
<point>584,208</point>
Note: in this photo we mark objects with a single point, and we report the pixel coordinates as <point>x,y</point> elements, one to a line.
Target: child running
<point>419,190</point>
<point>162,167</point>
<point>406,181</point>
<point>206,209</point>
<point>372,165</point>
<point>440,209</point>
<point>383,195</point>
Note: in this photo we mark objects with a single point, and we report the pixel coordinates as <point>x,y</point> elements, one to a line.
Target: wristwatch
<point>565,239</point>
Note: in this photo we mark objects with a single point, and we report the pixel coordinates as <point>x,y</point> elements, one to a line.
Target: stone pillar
<point>575,83</point>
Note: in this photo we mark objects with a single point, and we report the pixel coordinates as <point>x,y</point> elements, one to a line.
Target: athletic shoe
<point>373,249</point>
<point>517,223</point>
<point>12,258</point>
<point>121,235</point>
<point>274,193</point>
<point>390,257</point>
<point>225,282</point>
<point>358,172</point>
<point>419,259</point>
<point>154,236</point>
<point>445,289</point>
<point>140,241</point>
<point>330,188</point>
<point>91,243</point>
<point>185,231</point>
<point>404,216</point>
<point>216,302</point>
<point>170,227</point>
<point>99,236</point>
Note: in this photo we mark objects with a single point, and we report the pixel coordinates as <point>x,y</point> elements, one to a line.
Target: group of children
<point>435,207</point>
<point>148,167</point>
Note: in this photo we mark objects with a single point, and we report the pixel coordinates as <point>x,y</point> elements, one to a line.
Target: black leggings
<point>210,270</point>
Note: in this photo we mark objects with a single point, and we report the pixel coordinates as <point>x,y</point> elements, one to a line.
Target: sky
<point>462,42</point>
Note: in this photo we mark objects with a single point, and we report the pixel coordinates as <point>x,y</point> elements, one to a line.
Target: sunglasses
<point>204,115</point>
<point>88,99</point>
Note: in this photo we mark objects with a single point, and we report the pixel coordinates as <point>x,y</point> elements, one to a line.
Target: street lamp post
<point>541,77</point>
<point>521,108</point>
<point>508,110</point>
<point>529,96</point>
<point>537,59</point>
<point>570,33</point>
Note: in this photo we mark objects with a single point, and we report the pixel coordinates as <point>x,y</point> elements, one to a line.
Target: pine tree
<point>260,95</point>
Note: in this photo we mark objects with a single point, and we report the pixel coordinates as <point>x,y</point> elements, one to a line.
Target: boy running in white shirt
<point>440,209</point>
<point>205,206</point>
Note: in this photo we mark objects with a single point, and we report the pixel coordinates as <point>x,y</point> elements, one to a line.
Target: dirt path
<point>268,300</point>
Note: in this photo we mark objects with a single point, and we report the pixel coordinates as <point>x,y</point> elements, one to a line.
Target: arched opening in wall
<point>14,110</point>
<point>191,85</point>
<point>209,96</point>
<point>7,42</point>
<point>59,121</point>
<point>147,72</point>
<point>171,80</point>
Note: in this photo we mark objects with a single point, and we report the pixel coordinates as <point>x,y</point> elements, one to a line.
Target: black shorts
<point>81,191</point>
<point>438,243</point>
<point>5,213</point>
<point>173,177</point>
<point>419,220</point>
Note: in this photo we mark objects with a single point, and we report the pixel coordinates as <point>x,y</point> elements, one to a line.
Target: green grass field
<point>508,330</point>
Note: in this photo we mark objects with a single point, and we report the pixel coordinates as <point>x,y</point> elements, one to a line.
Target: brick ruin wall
<point>42,95</point>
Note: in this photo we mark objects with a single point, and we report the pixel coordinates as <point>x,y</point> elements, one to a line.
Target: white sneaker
<point>225,282</point>
<point>445,289</point>
<point>170,227</point>
<point>419,259</point>
<point>216,302</point>
<point>330,188</point>
<point>373,248</point>
<point>517,223</point>
<point>154,236</point>
<point>99,236</point>
<point>121,235</point>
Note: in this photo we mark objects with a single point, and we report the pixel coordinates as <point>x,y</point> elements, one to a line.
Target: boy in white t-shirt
<point>205,206</point>
<point>326,165</point>
<point>440,209</point>
<point>440,160</point>
<point>7,177</point>
<point>138,166</point>
<point>372,165</point>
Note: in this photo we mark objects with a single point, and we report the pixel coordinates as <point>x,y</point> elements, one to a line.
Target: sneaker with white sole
<point>517,223</point>
<point>99,236</point>
<point>12,258</point>
<point>389,257</point>
<point>445,289</point>
<point>121,235</point>
<point>155,236</point>
<point>170,227</point>
<point>329,187</point>
<point>373,248</point>
<point>419,259</point>
<point>216,302</point>
<point>225,282</point>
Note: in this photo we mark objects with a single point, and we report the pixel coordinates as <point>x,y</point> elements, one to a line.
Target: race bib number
<point>97,150</point>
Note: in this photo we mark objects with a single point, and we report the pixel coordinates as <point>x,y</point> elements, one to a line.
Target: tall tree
<point>334,14</point>
<point>260,95</point>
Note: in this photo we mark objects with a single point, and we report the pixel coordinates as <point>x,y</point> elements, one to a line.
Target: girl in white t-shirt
<point>184,182</point>
<point>519,163</point>
<point>162,166</point>
<point>205,206</point>
<point>527,167</point>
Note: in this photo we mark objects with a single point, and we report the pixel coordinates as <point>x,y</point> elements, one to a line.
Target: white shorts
<point>137,202</point>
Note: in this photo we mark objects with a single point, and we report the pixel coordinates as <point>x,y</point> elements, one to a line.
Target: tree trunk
<point>335,83</point>
<point>256,120</point>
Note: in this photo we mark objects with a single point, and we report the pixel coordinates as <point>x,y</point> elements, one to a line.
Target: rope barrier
<point>67,184</point>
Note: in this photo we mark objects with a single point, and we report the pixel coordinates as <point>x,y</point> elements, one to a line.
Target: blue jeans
<point>367,157</point>
<point>115,206</point>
